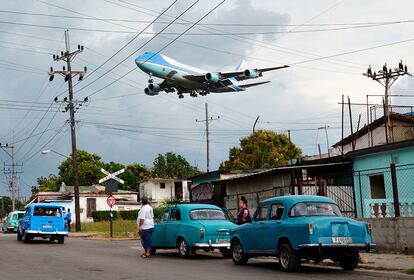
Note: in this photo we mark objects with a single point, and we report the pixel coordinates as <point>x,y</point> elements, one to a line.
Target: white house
<point>158,189</point>
<point>91,198</point>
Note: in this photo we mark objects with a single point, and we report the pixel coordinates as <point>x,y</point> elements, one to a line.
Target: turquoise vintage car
<point>300,228</point>
<point>190,227</point>
<point>11,221</point>
<point>45,220</point>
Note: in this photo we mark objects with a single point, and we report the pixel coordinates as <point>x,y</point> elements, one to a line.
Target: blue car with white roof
<point>44,220</point>
<point>300,228</point>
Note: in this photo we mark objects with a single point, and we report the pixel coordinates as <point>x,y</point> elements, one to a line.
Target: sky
<point>327,43</point>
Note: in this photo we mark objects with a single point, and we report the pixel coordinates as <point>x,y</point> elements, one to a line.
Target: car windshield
<point>314,209</point>
<point>207,214</point>
<point>20,215</point>
<point>47,211</point>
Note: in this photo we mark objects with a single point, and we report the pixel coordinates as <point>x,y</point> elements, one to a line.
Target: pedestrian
<point>68,219</point>
<point>244,213</point>
<point>145,223</point>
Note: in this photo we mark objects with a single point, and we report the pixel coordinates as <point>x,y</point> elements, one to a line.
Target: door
<point>158,237</point>
<point>171,227</point>
<point>90,206</point>
<point>178,190</point>
<point>254,234</point>
<point>273,228</point>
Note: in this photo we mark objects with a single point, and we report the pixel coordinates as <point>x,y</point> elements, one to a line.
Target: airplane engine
<point>152,89</point>
<point>212,77</point>
<point>250,73</point>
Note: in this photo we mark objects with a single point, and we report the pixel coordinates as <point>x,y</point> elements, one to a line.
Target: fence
<point>385,192</point>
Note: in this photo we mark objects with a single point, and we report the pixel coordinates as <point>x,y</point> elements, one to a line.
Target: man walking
<point>145,223</point>
<point>69,219</point>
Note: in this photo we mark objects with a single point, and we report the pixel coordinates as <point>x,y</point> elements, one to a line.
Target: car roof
<point>190,206</point>
<point>17,212</point>
<point>44,205</point>
<point>293,199</point>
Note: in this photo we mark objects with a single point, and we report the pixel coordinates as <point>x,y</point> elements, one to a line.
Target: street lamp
<point>326,134</point>
<point>44,152</point>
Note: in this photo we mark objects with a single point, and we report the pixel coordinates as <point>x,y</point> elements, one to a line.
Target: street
<point>93,259</point>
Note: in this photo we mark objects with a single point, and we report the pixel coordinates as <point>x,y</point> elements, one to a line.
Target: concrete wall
<point>393,234</point>
<point>152,189</point>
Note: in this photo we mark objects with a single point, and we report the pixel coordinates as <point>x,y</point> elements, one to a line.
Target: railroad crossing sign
<point>111,176</point>
<point>111,200</point>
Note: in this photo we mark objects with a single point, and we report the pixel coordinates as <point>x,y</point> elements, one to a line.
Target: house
<point>159,189</point>
<point>377,192</point>
<point>400,128</point>
<point>91,198</point>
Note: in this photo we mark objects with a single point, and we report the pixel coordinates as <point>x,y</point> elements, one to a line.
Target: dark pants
<point>68,222</point>
<point>146,238</point>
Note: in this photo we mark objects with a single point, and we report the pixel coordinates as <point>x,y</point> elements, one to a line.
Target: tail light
<point>370,228</point>
<point>310,229</point>
<point>201,233</point>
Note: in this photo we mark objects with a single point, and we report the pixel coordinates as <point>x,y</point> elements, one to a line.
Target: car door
<point>254,237</point>
<point>24,222</point>
<point>158,237</point>
<point>273,227</point>
<point>171,227</point>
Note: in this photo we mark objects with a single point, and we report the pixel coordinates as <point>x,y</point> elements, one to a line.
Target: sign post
<point>111,187</point>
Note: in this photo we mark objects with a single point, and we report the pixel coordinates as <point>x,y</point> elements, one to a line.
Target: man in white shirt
<point>145,223</point>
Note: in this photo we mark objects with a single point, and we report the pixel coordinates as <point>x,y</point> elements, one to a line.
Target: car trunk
<point>46,223</point>
<point>216,229</point>
<point>336,227</point>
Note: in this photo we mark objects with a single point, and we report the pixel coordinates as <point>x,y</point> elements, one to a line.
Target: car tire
<point>183,249</point>
<point>61,239</point>
<point>27,238</point>
<point>288,259</point>
<point>19,235</point>
<point>349,262</point>
<point>238,255</point>
<point>153,250</point>
<point>226,253</point>
<point>9,231</point>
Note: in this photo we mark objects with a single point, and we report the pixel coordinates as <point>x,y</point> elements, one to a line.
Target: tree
<point>171,165</point>
<point>262,149</point>
<point>6,205</point>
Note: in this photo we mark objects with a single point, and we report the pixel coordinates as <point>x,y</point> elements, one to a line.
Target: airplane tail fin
<point>241,65</point>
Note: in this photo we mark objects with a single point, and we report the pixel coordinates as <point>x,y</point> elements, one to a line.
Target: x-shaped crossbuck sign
<point>112,176</point>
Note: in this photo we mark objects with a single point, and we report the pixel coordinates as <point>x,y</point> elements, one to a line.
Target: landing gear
<point>204,92</point>
<point>180,94</point>
<point>150,80</point>
<point>193,93</point>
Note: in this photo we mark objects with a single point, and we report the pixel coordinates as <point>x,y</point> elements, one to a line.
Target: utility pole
<point>387,77</point>
<point>12,173</point>
<point>71,106</point>
<point>207,120</point>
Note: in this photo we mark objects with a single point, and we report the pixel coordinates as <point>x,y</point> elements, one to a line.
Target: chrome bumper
<point>360,246</point>
<point>211,245</point>
<point>47,232</point>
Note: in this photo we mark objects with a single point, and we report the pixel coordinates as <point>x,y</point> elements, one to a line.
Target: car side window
<point>175,215</point>
<point>261,213</point>
<point>276,211</point>
<point>164,217</point>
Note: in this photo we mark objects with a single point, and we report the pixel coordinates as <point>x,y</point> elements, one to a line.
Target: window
<point>377,186</point>
<point>276,211</point>
<point>314,209</point>
<point>47,211</point>
<point>164,216</point>
<point>175,215</point>
<point>162,185</point>
<point>90,206</point>
<point>261,213</point>
<point>207,214</point>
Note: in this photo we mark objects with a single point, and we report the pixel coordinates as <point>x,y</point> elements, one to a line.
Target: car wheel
<point>61,239</point>
<point>10,230</point>
<point>153,250</point>
<point>288,259</point>
<point>225,252</point>
<point>349,262</point>
<point>238,256</point>
<point>27,238</point>
<point>183,248</point>
<point>19,235</point>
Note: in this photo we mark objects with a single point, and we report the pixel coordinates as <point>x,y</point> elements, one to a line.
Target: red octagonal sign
<point>111,200</point>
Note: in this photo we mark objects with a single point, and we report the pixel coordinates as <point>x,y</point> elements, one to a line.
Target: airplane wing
<point>239,75</point>
<point>254,84</point>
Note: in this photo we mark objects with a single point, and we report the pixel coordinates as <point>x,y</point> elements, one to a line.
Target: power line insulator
<point>79,47</point>
<point>85,69</point>
<point>56,99</point>
<point>51,69</point>
<point>82,48</point>
<point>65,99</point>
<point>86,99</point>
<point>405,69</point>
<point>61,53</point>
<point>51,77</point>
<point>64,69</point>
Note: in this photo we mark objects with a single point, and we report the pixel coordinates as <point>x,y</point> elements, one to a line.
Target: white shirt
<point>147,215</point>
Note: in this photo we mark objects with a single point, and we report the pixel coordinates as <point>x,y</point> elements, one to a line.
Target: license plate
<point>342,240</point>
<point>47,226</point>
<point>222,241</point>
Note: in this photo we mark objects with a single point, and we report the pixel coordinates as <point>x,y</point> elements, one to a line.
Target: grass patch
<point>410,271</point>
<point>121,228</point>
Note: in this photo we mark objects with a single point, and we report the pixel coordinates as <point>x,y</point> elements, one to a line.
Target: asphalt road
<point>92,259</point>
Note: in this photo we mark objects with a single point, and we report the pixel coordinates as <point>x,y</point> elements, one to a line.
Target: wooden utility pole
<point>12,174</point>
<point>207,120</point>
<point>68,74</point>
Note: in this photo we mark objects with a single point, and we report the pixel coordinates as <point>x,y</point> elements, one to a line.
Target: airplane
<point>181,78</point>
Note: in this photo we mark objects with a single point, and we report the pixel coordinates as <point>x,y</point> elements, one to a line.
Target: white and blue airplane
<point>182,78</point>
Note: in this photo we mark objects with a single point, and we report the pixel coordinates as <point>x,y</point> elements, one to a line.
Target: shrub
<point>128,215</point>
<point>103,215</point>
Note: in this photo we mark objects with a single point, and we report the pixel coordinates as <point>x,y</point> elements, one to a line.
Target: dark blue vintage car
<point>191,227</point>
<point>43,220</point>
<point>301,228</point>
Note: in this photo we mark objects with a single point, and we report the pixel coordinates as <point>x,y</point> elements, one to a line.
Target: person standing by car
<point>69,219</point>
<point>244,213</point>
<point>145,223</point>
